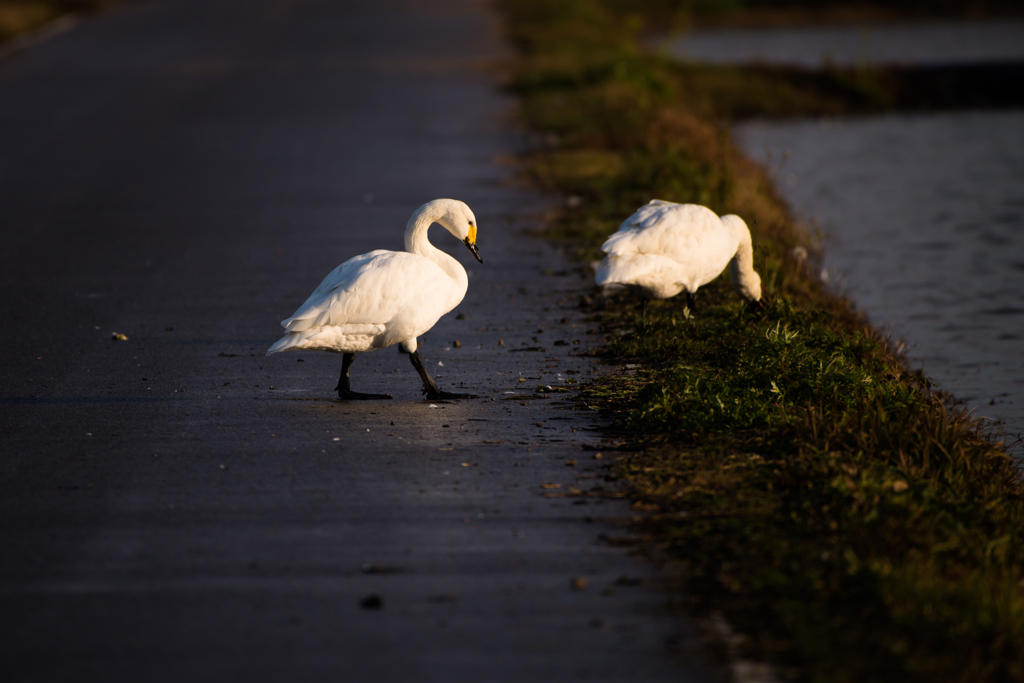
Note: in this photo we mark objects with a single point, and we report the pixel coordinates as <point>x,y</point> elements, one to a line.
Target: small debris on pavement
<point>578,583</point>
<point>625,580</point>
<point>117,336</point>
<point>381,569</point>
<point>371,602</point>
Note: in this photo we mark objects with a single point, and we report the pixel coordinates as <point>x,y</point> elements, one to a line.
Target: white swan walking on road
<point>665,248</point>
<point>384,297</point>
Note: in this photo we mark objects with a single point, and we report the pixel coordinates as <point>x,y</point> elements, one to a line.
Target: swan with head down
<point>666,248</point>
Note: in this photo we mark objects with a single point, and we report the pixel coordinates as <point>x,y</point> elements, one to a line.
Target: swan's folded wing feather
<point>653,213</point>
<point>367,289</point>
<point>666,229</point>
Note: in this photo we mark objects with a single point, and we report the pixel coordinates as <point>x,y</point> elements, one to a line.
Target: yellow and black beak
<point>471,243</point>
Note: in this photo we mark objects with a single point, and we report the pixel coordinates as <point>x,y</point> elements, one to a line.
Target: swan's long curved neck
<point>416,241</point>
<point>744,259</point>
<point>745,279</point>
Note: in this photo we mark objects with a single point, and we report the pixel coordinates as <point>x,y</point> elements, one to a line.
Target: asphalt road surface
<point>177,506</point>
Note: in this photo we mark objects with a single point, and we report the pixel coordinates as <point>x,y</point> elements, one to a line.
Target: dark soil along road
<point>178,506</point>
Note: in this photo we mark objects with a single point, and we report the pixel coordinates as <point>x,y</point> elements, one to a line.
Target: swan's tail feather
<point>620,243</point>
<point>624,269</point>
<point>297,324</point>
<point>286,342</point>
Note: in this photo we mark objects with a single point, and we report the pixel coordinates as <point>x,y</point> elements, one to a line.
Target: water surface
<point>925,223</point>
<point>913,44</point>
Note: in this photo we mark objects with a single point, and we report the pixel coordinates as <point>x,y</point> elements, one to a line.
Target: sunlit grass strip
<point>839,513</point>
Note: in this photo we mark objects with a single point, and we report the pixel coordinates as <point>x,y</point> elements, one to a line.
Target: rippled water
<point>925,219</point>
<point>918,44</point>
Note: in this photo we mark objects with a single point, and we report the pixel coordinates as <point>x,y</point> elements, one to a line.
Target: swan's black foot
<point>358,396</point>
<point>345,393</point>
<point>429,386</point>
<point>446,395</point>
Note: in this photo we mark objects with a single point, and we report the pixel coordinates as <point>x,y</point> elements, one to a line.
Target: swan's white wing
<point>370,289</point>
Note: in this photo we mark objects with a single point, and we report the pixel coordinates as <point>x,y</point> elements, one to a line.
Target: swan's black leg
<point>691,301</point>
<point>429,387</point>
<point>343,383</point>
<point>643,309</point>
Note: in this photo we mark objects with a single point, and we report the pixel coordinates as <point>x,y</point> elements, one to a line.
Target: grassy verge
<point>845,519</point>
<point>18,17</point>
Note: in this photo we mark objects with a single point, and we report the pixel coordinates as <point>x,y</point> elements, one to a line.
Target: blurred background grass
<point>18,17</point>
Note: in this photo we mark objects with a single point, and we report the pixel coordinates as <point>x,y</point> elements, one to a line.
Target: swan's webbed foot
<point>429,386</point>
<point>344,389</point>
<point>348,395</point>
<point>445,395</point>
